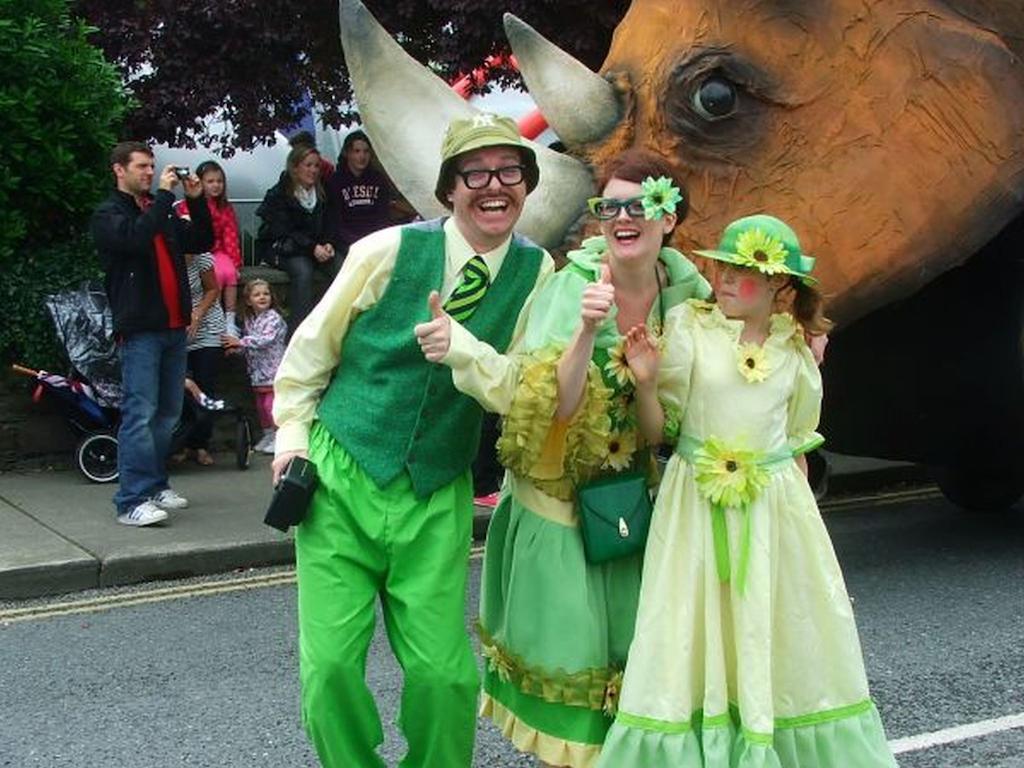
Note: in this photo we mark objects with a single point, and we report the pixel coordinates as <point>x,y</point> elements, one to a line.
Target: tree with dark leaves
<point>255,63</point>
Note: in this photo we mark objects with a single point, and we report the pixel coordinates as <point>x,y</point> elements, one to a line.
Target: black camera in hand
<point>292,494</point>
<point>182,171</point>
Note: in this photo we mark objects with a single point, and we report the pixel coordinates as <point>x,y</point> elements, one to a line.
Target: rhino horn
<point>559,199</point>
<point>403,106</point>
<point>579,105</point>
<point>405,110</point>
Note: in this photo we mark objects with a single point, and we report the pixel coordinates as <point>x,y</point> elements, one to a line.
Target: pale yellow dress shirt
<point>317,346</point>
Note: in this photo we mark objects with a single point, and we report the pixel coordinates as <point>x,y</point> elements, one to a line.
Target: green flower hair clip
<point>659,197</point>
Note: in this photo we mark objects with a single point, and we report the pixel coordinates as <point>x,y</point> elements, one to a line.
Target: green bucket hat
<point>483,129</point>
<point>766,244</point>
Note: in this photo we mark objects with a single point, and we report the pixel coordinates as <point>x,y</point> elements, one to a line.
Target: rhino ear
<point>580,106</point>
<point>405,110</point>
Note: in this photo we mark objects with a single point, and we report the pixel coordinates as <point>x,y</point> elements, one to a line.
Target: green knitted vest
<point>390,408</point>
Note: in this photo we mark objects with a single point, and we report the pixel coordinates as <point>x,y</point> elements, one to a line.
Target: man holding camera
<point>392,441</point>
<point>141,245</point>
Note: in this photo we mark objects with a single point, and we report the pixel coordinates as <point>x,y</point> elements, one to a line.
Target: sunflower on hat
<point>761,251</point>
<point>766,244</point>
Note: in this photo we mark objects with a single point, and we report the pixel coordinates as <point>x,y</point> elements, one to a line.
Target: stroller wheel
<point>243,442</point>
<point>96,456</point>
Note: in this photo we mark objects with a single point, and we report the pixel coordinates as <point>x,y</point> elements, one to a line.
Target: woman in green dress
<point>555,628</point>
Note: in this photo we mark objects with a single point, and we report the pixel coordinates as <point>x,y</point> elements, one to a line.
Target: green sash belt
<point>730,478</point>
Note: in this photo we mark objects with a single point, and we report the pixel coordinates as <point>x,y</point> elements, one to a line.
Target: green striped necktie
<point>475,279</point>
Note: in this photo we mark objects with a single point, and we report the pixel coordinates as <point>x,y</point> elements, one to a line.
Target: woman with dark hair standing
<point>554,626</point>
<point>358,195</point>
<point>294,233</point>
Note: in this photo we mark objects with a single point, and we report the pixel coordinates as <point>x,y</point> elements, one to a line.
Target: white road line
<point>957,733</point>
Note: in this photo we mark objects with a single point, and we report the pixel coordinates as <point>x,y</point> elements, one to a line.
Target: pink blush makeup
<point>747,288</point>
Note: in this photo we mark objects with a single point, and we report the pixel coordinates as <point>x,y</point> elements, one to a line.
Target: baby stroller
<point>89,396</point>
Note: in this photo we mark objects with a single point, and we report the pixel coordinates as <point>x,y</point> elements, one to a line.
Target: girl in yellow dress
<point>746,653</point>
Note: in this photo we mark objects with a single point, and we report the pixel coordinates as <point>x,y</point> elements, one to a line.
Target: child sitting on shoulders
<point>263,340</point>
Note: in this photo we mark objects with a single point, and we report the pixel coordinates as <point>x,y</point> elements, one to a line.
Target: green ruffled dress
<point>746,652</point>
<point>555,629</point>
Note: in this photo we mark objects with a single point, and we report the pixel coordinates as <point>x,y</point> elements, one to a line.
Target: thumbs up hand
<point>435,335</point>
<point>434,302</point>
<point>598,300</point>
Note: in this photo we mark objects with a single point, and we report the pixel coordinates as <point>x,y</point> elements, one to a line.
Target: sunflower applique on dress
<point>728,476</point>
<point>618,366</point>
<point>621,447</point>
<point>623,441</point>
<point>752,362</point>
<point>622,410</point>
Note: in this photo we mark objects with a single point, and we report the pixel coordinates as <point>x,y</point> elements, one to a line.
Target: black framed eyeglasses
<point>605,208</point>
<point>478,178</point>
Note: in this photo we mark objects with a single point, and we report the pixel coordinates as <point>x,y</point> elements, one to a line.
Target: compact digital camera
<point>182,171</point>
<point>292,494</point>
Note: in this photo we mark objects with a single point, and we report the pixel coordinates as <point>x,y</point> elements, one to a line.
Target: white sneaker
<point>145,513</point>
<point>168,498</point>
<point>266,443</point>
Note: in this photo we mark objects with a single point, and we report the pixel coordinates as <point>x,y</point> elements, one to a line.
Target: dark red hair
<point>635,165</point>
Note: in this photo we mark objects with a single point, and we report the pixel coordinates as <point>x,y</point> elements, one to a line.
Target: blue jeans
<point>153,379</point>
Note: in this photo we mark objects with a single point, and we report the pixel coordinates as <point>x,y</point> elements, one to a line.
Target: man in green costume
<point>392,441</point>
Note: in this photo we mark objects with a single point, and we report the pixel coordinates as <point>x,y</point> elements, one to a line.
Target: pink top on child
<point>225,231</point>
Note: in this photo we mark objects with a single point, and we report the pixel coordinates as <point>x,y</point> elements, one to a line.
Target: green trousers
<point>360,541</point>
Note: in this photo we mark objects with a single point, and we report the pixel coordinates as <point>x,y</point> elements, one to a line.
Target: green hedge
<point>61,104</point>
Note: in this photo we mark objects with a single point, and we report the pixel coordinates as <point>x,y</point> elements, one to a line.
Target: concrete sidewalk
<point>58,533</point>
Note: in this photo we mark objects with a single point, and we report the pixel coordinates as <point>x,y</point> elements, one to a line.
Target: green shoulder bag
<point>615,515</point>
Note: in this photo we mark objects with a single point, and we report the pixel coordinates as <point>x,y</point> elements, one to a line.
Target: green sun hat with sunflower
<point>766,244</point>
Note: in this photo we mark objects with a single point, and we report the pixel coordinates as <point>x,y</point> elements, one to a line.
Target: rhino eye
<point>715,98</point>
<point>718,103</point>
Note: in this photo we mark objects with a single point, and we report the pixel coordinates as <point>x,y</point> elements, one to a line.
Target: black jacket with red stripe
<point>124,236</point>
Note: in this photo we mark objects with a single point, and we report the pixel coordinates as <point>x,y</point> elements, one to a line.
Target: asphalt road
<point>203,673</point>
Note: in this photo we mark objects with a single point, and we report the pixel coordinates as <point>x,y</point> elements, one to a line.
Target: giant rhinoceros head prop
<point>890,133</point>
